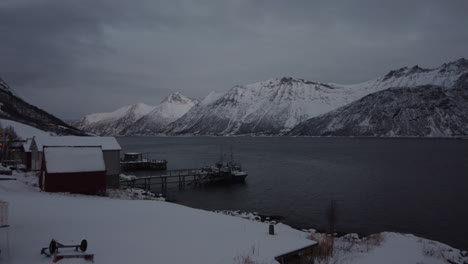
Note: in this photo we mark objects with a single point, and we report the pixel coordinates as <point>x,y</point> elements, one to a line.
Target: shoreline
<point>287,136</point>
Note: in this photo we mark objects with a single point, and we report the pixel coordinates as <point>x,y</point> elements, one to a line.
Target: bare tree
<point>331,217</point>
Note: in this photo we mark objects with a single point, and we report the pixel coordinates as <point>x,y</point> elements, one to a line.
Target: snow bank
<point>127,177</point>
<point>133,194</point>
<point>387,248</point>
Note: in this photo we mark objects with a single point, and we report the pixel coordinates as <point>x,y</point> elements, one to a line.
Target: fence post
<point>271,229</point>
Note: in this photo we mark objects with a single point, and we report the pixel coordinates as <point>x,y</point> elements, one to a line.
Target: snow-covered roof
<point>106,143</point>
<point>73,159</point>
<point>27,145</point>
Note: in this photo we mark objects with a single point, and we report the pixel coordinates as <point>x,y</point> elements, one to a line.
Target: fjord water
<point>417,186</point>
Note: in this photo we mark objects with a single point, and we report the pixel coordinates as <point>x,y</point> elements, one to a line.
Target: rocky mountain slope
<point>276,106</point>
<point>14,108</point>
<point>155,122</point>
<point>113,123</point>
<point>423,111</point>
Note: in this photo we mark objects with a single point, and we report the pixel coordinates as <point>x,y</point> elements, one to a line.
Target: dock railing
<point>182,178</point>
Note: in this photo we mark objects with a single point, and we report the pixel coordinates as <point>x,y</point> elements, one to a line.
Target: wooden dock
<point>182,178</point>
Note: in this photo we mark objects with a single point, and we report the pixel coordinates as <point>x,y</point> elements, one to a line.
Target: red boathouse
<point>73,169</point>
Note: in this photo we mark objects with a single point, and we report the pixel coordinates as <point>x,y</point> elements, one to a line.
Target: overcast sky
<point>77,57</point>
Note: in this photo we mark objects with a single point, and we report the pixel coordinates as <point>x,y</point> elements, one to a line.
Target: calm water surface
<point>415,186</point>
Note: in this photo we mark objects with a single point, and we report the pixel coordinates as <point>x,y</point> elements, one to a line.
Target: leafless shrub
<point>372,241</point>
<point>10,133</point>
<point>325,247</point>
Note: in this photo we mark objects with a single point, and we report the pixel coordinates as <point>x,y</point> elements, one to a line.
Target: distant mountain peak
<point>457,67</point>
<point>460,62</point>
<point>177,97</point>
<point>138,118</point>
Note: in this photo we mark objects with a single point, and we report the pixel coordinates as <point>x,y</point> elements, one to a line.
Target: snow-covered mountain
<point>271,107</point>
<point>424,111</point>
<point>14,108</point>
<point>113,123</point>
<point>446,75</point>
<point>268,107</point>
<point>276,106</point>
<point>155,122</point>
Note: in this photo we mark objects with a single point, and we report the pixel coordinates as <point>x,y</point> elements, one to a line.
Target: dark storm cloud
<point>77,57</point>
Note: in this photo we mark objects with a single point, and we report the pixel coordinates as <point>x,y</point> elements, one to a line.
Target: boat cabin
<point>133,156</point>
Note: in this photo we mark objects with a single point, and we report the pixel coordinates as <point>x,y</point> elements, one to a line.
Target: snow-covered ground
<point>24,131</point>
<point>133,231</point>
<point>148,231</point>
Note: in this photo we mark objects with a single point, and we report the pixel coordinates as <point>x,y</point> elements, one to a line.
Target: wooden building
<point>109,145</point>
<point>26,150</point>
<point>73,169</point>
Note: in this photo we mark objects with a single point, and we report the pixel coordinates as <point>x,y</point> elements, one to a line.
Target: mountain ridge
<point>276,106</point>
<point>15,108</point>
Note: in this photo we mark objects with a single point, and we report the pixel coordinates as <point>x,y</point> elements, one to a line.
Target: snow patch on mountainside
<point>446,76</point>
<point>170,109</point>
<point>138,110</point>
<point>112,123</point>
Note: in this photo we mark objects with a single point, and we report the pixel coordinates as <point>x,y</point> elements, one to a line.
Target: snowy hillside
<point>133,231</point>
<point>276,106</point>
<point>113,123</point>
<point>169,110</point>
<point>24,131</point>
<point>14,108</point>
<point>422,111</point>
